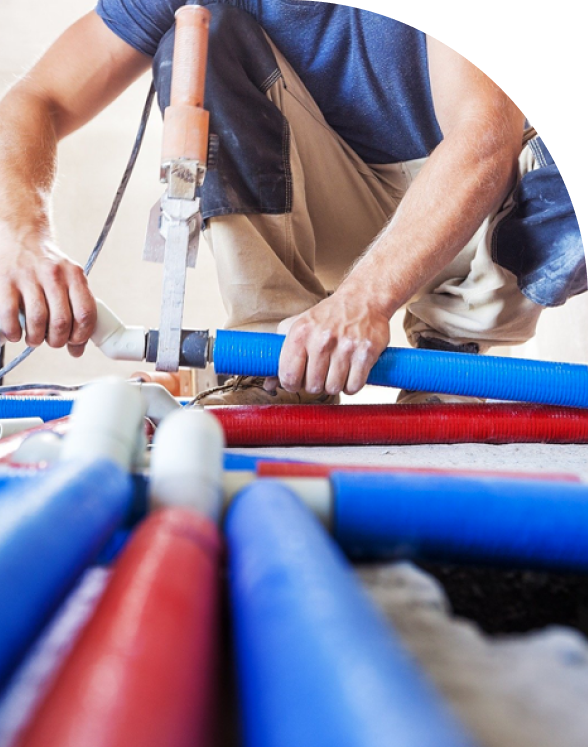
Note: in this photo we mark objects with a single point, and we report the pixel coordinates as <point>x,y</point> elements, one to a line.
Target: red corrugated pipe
<point>144,670</point>
<point>384,425</point>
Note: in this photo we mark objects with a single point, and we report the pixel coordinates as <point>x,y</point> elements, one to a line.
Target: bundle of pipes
<point>296,685</point>
<point>155,629</point>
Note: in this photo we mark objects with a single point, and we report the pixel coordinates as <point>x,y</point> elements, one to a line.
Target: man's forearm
<point>35,277</point>
<point>28,146</point>
<point>466,178</point>
<point>82,72</point>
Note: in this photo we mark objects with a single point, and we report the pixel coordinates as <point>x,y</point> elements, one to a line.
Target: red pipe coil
<point>143,672</point>
<point>385,425</point>
<point>307,469</point>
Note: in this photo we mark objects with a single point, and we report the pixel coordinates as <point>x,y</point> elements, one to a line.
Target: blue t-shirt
<point>368,73</point>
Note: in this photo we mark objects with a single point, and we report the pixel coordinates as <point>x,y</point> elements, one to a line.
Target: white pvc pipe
<point>10,426</point>
<point>107,421</point>
<point>187,462</point>
<point>39,449</point>
<point>314,492</point>
<point>116,340</point>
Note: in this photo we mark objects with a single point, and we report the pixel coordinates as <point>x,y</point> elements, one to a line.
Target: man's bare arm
<point>333,346</point>
<point>86,69</point>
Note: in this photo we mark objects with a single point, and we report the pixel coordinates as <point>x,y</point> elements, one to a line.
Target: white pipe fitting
<point>107,421</point>
<point>10,426</point>
<point>314,492</point>
<point>187,462</point>
<point>159,402</point>
<point>38,449</point>
<point>115,340</point>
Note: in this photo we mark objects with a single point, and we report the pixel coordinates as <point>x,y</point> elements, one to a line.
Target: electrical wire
<point>57,388</point>
<point>95,253</point>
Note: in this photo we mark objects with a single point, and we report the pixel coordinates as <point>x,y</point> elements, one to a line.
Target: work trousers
<point>291,207</point>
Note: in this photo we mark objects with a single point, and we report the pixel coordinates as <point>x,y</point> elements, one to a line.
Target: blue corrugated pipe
<point>46,408</point>
<point>520,523</point>
<point>51,529</point>
<point>515,379</point>
<point>317,664</point>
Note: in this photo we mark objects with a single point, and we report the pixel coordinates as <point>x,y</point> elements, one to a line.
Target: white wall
<point>91,164</point>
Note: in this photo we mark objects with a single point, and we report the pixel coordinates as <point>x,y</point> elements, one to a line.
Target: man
<point>362,166</point>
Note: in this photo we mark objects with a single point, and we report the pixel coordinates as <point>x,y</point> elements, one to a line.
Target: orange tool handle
<point>186,122</point>
<point>190,51</point>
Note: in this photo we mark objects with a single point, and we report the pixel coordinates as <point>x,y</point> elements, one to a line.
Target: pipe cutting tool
<point>175,221</point>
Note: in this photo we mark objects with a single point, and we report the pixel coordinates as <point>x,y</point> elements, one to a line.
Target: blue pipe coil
<point>513,379</point>
<point>317,665</point>
<point>522,523</point>
<point>50,531</point>
<point>46,408</point>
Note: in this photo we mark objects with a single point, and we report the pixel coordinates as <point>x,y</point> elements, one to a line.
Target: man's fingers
<point>35,313</point>
<point>60,314</point>
<point>9,309</point>
<point>339,368</point>
<point>363,360</point>
<point>319,363</point>
<point>83,307</point>
<point>76,351</point>
<point>271,383</point>
<point>285,325</point>
<point>293,361</point>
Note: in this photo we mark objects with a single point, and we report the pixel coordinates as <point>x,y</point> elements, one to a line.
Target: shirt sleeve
<point>140,23</point>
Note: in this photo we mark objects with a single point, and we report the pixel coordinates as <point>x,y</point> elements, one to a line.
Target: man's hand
<point>333,346</point>
<point>37,279</point>
<point>54,99</point>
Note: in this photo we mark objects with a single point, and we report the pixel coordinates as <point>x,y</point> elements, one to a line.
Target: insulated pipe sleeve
<point>143,671</point>
<point>519,523</point>
<point>279,470</point>
<point>363,425</point>
<point>51,529</point>
<point>258,354</point>
<point>355,425</point>
<point>317,665</point>
<point>46,408</point>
